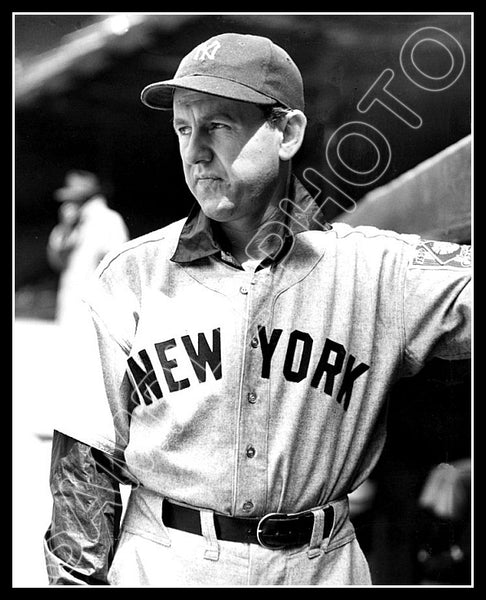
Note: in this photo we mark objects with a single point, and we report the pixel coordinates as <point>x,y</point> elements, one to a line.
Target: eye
<point>183,130</point>
<point>217,125</point>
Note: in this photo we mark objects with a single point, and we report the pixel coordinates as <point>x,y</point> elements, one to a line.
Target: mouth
<point>207,178</point>
<point>208,182</point>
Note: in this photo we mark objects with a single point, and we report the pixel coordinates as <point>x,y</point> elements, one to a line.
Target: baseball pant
<point>151,554</point>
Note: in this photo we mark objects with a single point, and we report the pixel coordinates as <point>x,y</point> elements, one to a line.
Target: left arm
<point>437,304</point>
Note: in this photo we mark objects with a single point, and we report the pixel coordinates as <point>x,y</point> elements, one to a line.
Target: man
<point>246,354</point>
<point>86,231</point>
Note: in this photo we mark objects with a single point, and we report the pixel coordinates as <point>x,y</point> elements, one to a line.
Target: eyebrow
<point>209,117</point>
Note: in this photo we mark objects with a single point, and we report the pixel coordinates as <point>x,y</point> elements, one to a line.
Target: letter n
<point>145,381</point>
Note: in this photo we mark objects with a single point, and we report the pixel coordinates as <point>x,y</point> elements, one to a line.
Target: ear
<point>293,128</point>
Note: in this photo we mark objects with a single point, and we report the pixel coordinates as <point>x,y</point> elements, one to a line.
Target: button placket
<point>252,466</point>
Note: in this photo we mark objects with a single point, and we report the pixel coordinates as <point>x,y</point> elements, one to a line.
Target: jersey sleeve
<point>97,404</point>
<point>437,304</point>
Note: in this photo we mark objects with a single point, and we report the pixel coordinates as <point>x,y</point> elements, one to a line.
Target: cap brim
<point>159,95</point>
<point>68,194</point>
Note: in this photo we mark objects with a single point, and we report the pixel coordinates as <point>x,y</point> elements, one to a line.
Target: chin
<point>220,209</point>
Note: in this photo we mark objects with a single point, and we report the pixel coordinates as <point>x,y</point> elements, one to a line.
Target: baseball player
<point>246,353</point>
<point>86,231</point>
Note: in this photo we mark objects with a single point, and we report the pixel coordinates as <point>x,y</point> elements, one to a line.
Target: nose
<point>196,148</point>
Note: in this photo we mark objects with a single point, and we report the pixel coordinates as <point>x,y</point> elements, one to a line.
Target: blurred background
<point>77,81</point>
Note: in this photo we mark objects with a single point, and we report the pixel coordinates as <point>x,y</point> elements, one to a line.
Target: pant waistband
<point>273,530</point>
<point>149,514</point>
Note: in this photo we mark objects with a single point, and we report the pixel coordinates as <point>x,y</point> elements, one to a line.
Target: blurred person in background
<point>86,231</point>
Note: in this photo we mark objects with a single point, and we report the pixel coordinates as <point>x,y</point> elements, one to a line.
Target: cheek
<point>257,159</point>
<point>187,170</point>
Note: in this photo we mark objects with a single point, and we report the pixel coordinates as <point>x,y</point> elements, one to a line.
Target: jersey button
<point>252,397</point>
<point>254,342</point>
<point>248,506</point>
<point>250,451</point>
<point>243,290</point>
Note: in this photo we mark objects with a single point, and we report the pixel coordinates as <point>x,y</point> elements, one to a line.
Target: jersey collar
<point>198,238</point>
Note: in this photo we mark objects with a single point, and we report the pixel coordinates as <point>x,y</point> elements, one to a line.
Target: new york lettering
<point>332,360</point>
<point>146,380</point>
<point>335,371</point>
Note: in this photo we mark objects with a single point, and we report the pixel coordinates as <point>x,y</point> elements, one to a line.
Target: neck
<point>257,236</point>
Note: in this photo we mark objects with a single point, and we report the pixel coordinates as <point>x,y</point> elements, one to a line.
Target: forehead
<point>191,101</point>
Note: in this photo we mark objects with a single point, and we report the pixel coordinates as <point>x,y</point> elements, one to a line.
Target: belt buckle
<point>260,532</point>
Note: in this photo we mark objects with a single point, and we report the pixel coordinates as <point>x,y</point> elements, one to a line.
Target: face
<point>69,212</point>
<point>230,155</point>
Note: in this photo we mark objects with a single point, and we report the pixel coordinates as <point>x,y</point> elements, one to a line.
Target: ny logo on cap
<point>207,50</point>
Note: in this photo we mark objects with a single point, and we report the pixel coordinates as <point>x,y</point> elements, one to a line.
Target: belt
<point>274,530</point>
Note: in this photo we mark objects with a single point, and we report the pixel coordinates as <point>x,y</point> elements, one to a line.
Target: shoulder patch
<point>432,254</point>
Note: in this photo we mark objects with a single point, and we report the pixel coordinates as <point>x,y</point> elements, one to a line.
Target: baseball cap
<point>79,186</point>
<point>242,67</point>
